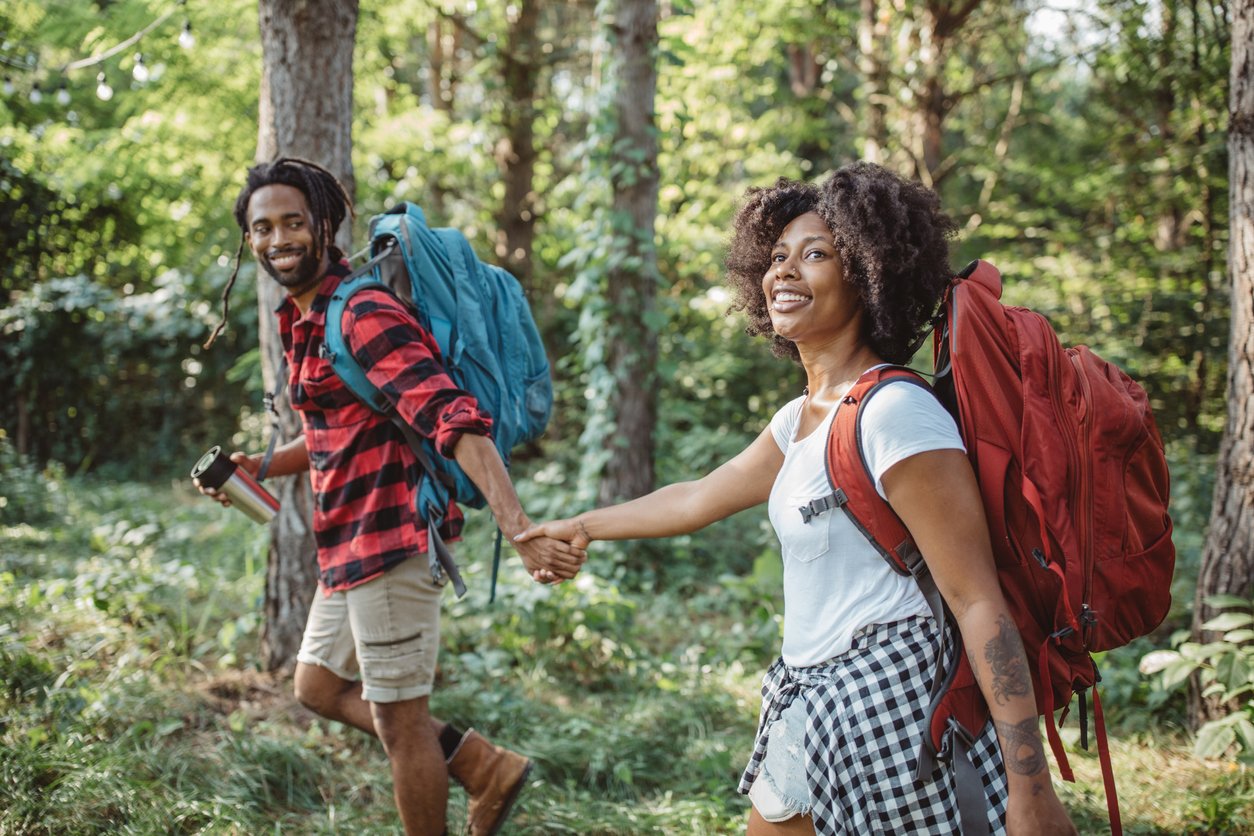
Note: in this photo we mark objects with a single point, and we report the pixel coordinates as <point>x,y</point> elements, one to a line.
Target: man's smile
<point>286,260</point>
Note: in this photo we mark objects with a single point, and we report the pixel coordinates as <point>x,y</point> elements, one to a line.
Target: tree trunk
<point>940,23</point>
<point>873,65</point>
<point>305,111</point>
<point>633,278</point>
<point>1228,557</point>
<point>435,75</point>
<point>516,152</point>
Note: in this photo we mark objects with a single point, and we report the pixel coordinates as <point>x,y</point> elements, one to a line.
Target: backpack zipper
<point>1071,432</point>
<point>1083,520</point>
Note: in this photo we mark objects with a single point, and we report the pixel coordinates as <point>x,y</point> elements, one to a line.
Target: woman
<point>844,278</point>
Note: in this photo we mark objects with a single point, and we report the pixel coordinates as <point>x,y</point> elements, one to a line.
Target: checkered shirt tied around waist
<point>863,713</point>
<point>365,477</point>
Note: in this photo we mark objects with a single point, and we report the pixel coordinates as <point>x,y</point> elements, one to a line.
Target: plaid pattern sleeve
<point>364,476</point>
<point>403,361</point>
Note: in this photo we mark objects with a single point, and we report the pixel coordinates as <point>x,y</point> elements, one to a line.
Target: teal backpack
<point>489,341</point>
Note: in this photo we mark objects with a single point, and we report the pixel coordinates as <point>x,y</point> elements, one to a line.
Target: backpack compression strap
<point>268,400</point>
<point>439,558</point>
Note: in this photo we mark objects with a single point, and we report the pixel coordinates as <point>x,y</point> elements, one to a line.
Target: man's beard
<point>306,272</point>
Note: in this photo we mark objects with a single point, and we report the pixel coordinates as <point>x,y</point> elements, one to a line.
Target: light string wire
<point>100,58</point>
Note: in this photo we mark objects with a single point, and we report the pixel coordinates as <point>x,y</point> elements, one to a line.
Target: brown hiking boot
<point>492,776</point>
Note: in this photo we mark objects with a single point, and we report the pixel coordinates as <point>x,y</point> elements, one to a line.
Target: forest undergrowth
<point>132,699</point>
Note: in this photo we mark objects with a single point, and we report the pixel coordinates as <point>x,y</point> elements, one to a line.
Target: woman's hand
<point>548,559</point>
<point>1038,813</point>
<point>570,533</point>
<point>571,530</point>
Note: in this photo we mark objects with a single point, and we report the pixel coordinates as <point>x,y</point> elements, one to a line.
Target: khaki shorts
<point>385,632</point>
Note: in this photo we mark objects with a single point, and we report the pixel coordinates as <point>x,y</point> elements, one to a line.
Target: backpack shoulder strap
<point>852,483</point>
<point>854,493</point>
<point>335,345</point>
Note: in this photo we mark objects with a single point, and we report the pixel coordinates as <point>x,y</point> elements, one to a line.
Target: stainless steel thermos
<point>215,470</point>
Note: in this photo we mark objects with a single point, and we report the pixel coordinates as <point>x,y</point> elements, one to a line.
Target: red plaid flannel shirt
<point>364,475</point>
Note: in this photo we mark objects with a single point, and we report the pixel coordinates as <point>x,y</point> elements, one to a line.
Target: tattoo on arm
<point>1021,746</point>
<point>1005,658</point>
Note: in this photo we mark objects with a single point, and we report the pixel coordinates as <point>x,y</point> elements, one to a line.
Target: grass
<point>131,701</point>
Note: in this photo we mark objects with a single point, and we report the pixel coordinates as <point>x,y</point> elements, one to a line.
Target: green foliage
<point>26,494</point>
<point>128,631</point>
<point>68,340</point>
<point>1226,671</point>
<point>120,233</point>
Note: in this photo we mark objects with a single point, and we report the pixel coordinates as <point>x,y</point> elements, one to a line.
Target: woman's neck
<point>829,374</point>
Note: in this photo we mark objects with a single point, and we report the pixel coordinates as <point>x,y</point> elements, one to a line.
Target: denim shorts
<point>385,632</point>
<point>781,789</point>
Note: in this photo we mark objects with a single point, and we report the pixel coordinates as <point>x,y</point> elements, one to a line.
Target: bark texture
<point>633,279</point>
<point>873,44</point>
<point>305,111</point>
<point>516,152</point>
<point>1228,558</point>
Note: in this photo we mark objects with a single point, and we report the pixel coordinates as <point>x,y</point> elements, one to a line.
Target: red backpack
<point>1075,487</point>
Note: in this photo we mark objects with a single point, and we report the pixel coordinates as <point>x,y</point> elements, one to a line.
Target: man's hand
<point>251,464</point>
<point>549,560</point>
<point>569,532</point>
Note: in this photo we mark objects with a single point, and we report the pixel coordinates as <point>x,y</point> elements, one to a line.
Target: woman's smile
<point>787,301</point>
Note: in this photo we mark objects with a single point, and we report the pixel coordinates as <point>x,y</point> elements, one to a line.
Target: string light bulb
<point>103,91</point>
<point>63,95</point>
<point>186,39</point>
<point>140,71</point>
<point>36,95</point>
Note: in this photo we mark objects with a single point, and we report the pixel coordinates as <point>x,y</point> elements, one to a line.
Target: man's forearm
<point>290,457</point>
<point>478,456</point>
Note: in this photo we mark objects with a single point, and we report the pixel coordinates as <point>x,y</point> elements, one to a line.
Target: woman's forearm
<point>996,653</point>
<point>674,509</point>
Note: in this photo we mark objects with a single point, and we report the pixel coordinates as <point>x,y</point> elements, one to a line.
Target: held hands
<point>252,464</point>
<point>570,534</point>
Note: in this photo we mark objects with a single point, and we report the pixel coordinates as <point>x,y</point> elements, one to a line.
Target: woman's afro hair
<point>890,234</point>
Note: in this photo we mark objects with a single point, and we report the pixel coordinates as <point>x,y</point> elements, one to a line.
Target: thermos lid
<point>213,469</point>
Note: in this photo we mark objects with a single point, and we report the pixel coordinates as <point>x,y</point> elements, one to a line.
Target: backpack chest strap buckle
<point>814,507</point>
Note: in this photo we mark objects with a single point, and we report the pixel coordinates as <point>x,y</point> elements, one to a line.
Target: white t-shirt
<point>835,582</point>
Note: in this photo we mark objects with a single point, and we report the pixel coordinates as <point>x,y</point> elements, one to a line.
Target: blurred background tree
<point>1227,568</point>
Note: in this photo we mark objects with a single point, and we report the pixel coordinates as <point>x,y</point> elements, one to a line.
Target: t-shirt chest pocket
<point>806,541</point>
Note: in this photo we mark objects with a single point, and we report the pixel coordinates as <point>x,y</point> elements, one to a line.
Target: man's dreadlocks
<point>328,201</point>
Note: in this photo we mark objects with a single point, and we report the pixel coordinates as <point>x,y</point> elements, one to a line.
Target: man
<point>369,650</point>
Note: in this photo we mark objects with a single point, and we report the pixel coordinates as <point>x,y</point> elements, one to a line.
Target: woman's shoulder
<point>789,413</point>
<point>903,398</point>
<point>784,422</point>
<point>904,418</point>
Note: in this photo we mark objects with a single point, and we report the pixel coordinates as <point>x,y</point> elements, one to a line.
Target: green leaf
<point>1238,673</point>
<point>1245,731</point>
<point>1222,601</point>
<point>1177,672</point>
<point>1156,661</point>
<point>1214,738</point>
<point>1229,621</point>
